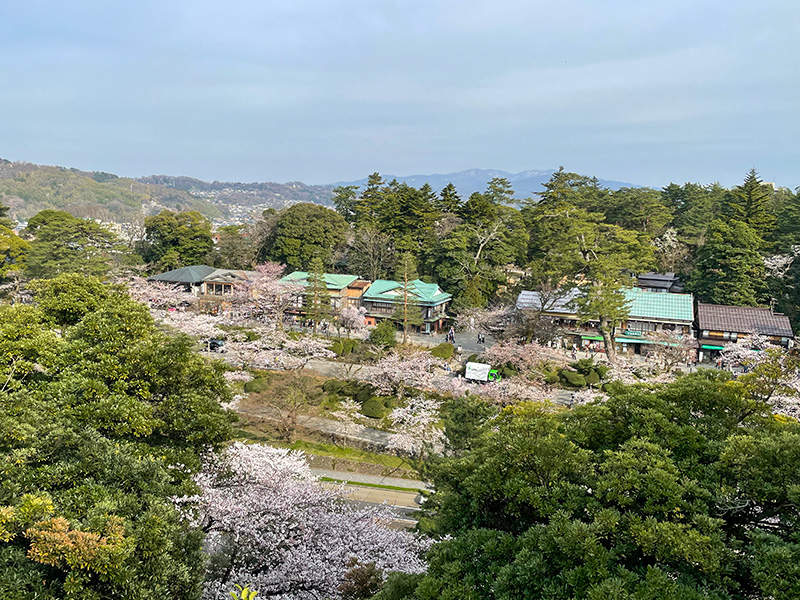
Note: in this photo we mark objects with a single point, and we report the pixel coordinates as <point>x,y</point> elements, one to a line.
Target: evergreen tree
<point>317,298</point>
<point>729,268</point>
<point>750,203</point>
<point>368,204</point>
<point>345,200</point>
<point>408,311</point>
<point>499,191</point>
<point>449,200</point>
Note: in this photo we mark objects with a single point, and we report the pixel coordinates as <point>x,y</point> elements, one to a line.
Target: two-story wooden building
<point>382,298</point>
<point>720,324</point>
<point>648,312</point>
<point>344,290</point>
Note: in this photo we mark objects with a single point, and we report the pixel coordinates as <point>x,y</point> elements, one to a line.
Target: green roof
<point>193,274</point>
<point>383,290</point>
<point>332,280</point>
<point>659,306</point>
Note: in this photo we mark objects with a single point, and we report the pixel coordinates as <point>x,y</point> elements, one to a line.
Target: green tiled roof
<point>659,306</point>
<point>332,280</point>
<point>427,293</point>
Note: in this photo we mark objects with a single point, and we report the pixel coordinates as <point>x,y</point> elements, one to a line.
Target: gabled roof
<point>194,274</point>
<point>385,290</point>
<point>659,307</point>
<point>743,319</point>
<point>653,306</point>
<point>533,300</point>
<point>231,276</point>
<point>333,281</point>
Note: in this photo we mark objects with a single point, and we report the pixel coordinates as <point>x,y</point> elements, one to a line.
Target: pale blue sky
<point>320,91</point>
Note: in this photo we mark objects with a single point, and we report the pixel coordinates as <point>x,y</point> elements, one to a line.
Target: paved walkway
<point>356,478</point>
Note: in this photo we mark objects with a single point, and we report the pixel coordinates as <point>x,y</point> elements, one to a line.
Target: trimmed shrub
<point>601,370</point>
<point>551,377</point>
<point>256,386</point>
<point>374,408</point>
<point>333,386</point>
<point>613,387</point>
<point>383,335</point>
<point>592,378</point>
<point>472,358</point>
<point>443,350</point>
<point>572,378</point>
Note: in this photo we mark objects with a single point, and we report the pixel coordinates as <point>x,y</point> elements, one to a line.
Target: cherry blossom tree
<point>769,374</point>
<point>396,372</point>
<point>193,324</point>
<point>670,349</point>
<point>349,414</point>
<point>271,524</point>
<point>352,319</point>
<point>267,297</point>
<point>416,426</point>
<point>489,321</point>
<point>159,295</point>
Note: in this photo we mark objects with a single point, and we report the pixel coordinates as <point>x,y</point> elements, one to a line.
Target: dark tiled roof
<point>743,319</point>
<point>193,274</point>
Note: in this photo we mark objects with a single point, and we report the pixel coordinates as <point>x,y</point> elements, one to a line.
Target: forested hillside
<point>28,189</point>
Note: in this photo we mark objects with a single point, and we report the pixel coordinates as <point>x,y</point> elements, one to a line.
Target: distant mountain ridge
<point>525,183</point>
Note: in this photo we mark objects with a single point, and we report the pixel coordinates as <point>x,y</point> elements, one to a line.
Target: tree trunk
<point>608,342</point>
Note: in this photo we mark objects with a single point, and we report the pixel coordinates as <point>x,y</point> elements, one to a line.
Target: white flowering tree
<point>671,349</point>
<point>271,524</point>
<point>158,295</point>
<point>352,320</point>
<point>267,297</point>
<point>768,374</point>
<point>416,424</point>
<point>396,372</point>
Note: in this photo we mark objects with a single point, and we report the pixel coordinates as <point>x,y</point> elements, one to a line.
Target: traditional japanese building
<point>202,280</point>
<point>383,297</point>
<point>720,324</point>
<point>648,312</point>
<point>344,290</point>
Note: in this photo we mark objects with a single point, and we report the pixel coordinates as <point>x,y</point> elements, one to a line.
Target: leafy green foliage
<point>174,240</point>
<point>303,232</point>
<point>384,334</point>
<point>62,243</point>
<point>729,268</point>
<point>98,425</point>
<point>687,491</point>
<point>257,385</point>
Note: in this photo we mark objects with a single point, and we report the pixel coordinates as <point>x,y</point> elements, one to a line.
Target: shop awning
<point>594,338</point>
<point>707,347</point>
<point>624,340</point>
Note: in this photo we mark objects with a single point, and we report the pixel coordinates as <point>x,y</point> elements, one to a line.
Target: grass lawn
<point>255,434</point>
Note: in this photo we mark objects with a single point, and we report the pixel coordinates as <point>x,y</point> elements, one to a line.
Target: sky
<point>321,91</point>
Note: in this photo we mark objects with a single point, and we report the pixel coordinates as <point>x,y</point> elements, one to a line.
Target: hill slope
<point>28,188</point>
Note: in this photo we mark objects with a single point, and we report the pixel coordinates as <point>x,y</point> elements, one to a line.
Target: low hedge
<point>572,378</point>
<point>256,386</point>
<point>374,408</point>
<point>443,351</point>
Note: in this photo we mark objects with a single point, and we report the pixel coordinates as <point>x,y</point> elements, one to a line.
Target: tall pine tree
<point>729,268</point>
<point>408,310</point>
<point>317,299</point>
<point>750,203</point>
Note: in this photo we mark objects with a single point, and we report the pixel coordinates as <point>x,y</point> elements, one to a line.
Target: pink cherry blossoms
<point>269,523</point>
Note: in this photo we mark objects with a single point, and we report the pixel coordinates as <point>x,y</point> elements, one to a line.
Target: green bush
<point>592,378</point>
<point>551,377</point>
<point>256,386</point>
<point>364,393</point>
<point>333,386</point>
<point>383,335</point>
<point>374,408</point>
<point>613,387</point>
<point>472,358</point>
<point>572,378</point>
<point>344,347</point>
<point>443,350</point>
<point>601,370</point>
<point>584,366</point>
